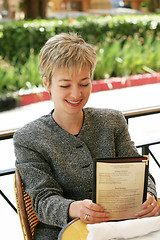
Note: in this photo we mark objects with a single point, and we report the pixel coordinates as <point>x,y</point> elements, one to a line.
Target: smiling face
<point>70,92</point>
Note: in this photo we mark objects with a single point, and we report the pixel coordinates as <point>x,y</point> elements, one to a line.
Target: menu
<point>120,185</point>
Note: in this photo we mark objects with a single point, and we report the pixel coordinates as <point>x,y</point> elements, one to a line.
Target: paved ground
<point>146,128</point>
<point>94,12</point>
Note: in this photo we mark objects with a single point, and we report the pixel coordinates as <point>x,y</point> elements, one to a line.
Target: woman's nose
<point>76,92</point>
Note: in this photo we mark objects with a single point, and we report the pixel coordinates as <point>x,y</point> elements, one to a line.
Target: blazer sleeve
<point>46,194</point>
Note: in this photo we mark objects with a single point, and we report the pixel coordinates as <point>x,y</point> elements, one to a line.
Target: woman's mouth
<point>75,103</point>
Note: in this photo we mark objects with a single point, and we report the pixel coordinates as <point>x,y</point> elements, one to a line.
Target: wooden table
<point>75,230</point>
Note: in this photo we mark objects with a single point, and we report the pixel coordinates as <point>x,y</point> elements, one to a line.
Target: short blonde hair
<point>66,51</point>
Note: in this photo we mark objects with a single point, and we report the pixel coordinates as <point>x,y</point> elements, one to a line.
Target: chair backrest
<point>159,205</point>
<point>26,214</point>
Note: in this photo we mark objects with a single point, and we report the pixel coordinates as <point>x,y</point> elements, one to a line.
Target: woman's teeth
<point>73,102</point>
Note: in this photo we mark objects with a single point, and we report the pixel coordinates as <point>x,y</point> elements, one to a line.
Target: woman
<point>54,153</point>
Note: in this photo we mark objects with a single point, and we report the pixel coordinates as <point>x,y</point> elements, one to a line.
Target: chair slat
<point>26,214</point>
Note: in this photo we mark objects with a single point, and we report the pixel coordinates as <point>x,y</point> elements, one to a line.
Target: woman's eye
<point>85,85</point>
<point>63,86</point>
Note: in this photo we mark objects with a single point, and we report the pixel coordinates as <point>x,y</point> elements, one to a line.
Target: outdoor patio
<point>141,128</point>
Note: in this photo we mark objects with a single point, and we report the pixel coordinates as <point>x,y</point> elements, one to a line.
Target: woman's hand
<point>88,212</point>
<point>150,208</point>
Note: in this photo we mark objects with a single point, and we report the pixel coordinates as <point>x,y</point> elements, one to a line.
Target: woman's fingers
<point>150,208</point>
<point>90,219</point>
<point>92,213</point>
<point>92,206</point>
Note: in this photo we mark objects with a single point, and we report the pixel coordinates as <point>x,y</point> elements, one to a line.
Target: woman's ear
<point>46,84</point>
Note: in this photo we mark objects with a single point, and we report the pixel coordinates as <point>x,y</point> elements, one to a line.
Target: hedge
<point>17,38</point>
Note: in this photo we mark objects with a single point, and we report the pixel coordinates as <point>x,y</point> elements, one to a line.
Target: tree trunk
<point>35,8</point>
<point>42,8</point>
<point>6,7</point>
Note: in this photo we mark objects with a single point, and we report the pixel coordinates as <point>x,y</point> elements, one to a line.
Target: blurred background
<point>20,9</point>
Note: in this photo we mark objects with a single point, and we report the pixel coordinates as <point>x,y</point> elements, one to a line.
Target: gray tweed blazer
<point>56,167</point>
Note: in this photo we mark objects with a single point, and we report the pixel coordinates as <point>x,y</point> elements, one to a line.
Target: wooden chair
<point>26,214</point>
<point>159,205</point>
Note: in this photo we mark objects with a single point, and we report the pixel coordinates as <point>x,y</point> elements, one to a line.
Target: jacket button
<point>80,146</point>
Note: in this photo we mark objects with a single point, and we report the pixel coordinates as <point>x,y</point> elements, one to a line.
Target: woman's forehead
<point>72,70</point>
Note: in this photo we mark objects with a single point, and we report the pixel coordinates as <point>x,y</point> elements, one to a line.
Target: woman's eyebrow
<point>86,78</point>
<point>68,80</point>
<point>65,80</point>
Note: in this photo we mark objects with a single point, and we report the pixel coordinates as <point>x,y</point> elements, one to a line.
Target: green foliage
<point>15,77</point>
<point>135,56</point>
<point>29,75</point>
<point>17,38</point>
<point>7,76</point>
<point>125,45</point>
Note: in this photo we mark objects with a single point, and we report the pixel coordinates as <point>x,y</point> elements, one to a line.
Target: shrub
<point>17,76</point>
<point>135,56</point>
<point>125,45</point>
<point>17,38</point>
